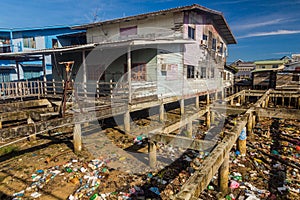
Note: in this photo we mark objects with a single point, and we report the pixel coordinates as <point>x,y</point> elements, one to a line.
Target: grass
<point>8,149</point>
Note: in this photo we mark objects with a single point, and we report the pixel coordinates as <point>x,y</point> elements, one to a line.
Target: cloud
<point>281,53</point>
<point>264,23</point>
<point>278,32</point>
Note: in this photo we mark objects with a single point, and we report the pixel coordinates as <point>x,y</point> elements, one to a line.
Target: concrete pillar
<point>30,121</point>
<point>263,104</point>
<point>253,120</point>
<point>298,102</point>
<point>249,124</point>
<point>282,98</point>
<point>0,124</point>
<point>161,112</point>
<point>212,117</point>
<point>223,175</point>
<point>208,119</point>
<point>216,95</point>
<point>190,129</point>
<point>127,122</point>
<point>77,138</point>
<point>223,94</point>
<point>152,154</point>
<point>231,102</point>
<point>239,99</point>
<point>207,99</point>
<point>197,102</point>
<point>290,99</point>
<point>181,106</point>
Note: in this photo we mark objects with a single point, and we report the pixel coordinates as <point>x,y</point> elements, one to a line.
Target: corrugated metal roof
<point>217,16</point>
<point>269,62</point>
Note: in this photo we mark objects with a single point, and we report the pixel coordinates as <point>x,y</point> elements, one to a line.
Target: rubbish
<point>154,190</point>
<point>36,195</point>
<point>243,135</point>
<point>19,194</point>
<point>234,184</point>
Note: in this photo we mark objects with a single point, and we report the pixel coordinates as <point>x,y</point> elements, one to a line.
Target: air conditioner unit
<point>204,43</point>
<point>163,67</point>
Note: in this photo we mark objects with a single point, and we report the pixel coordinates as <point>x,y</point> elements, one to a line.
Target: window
<point>203,72</point>
<point>214,44</point>
<point>212,72</point>
<point>29,42</point>
<point>54,43</point>
<point>191,33</point>
<point>221,48</point>
<point>204,37</point>
<point>295,77</point>
<point>128,31</point>
<point>263,67</point>
<point>190,71</point>
<point>275,66</point>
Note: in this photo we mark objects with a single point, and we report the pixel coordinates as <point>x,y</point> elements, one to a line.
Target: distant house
<point>228,79</point>
<point>264,75</point>
<point>289,77</point>
<point>14,66</point>
<point>243,77</point>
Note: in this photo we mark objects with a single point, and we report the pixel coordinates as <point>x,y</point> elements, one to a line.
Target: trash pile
<point>270,169</point>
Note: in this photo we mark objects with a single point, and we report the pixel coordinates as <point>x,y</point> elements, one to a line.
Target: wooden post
<point>249,124</point>
<point>84,74</point>
<point>161,112</point>
<point>129,74</point>
<point>189,129</point>
<point>152,154</point>
<point>127,122</point>
<point>242,142</point>
<point>181,106</point>
<point>77,138</point>
<point>197,102</point>
<point>18,70</point>
<point>223,175</point>
<point>208,119</point>
<point>44,75</point>
<point>53,87</point>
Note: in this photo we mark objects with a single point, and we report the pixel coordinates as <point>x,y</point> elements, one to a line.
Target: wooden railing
<point>116,90</point>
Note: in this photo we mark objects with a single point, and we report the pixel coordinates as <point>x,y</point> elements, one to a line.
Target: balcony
<point>5,48</point>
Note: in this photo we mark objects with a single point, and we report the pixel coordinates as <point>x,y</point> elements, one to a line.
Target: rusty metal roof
<point>218,18</point>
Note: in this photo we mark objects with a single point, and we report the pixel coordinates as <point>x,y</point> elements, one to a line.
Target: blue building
<point>19,67</point>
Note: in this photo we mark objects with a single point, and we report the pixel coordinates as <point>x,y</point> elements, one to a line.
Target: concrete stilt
<point>216,95</point>
<point>30,121</point>
<point>231,102</point>
<point>207,99</point>
<point>189,129</point>
<point>253,120</point>
<point>223,94</point>
<point>77,138</point>
<point>208,119</point>
<point>239,99</point>
<point>0,124</point>
<point>212,117</point>
<point>152,154</point>
<point>267,101</point>
<point>197,102</point>
<point>223,175</point>
<point>282,101</point>
<point>127,122</point>
<point>161,112</point>
<point>182,106</point>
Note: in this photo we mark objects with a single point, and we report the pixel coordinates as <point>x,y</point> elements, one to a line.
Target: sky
<point>264,29</point>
